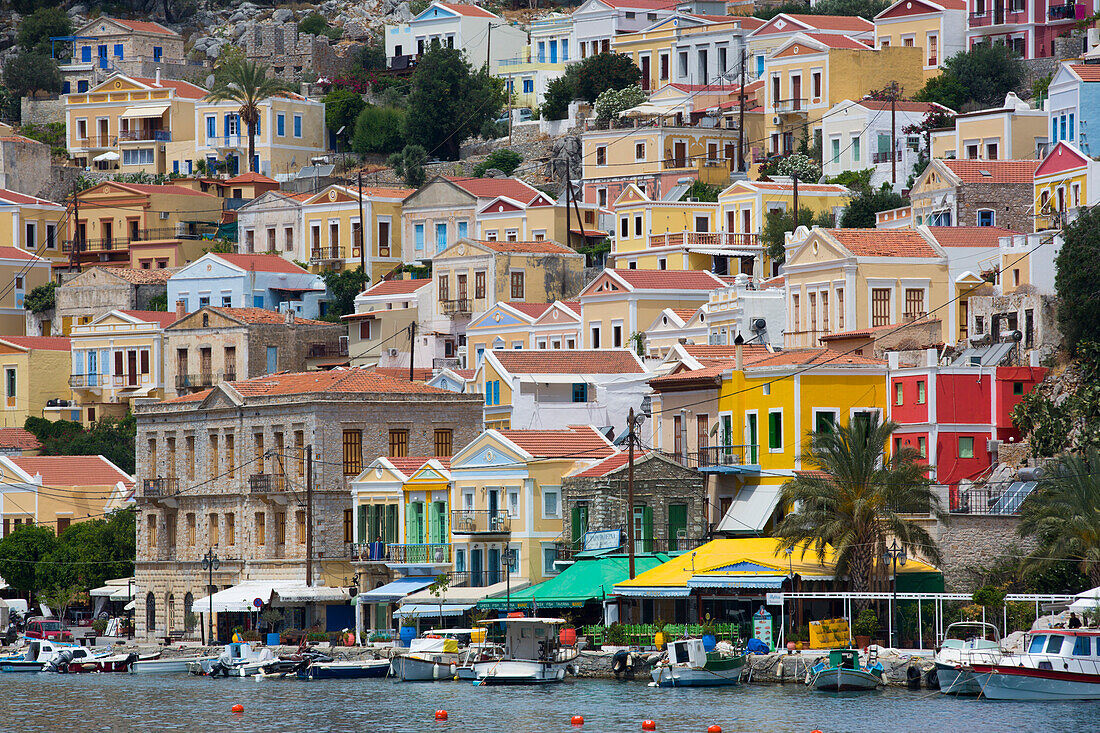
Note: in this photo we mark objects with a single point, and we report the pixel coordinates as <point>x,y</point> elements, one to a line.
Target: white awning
<point>427,610</point>
<point>750,509</point>
<point>1086,601</point>
<point>118,589</point>
<point>311,594</point>
<point>464,594</point>
<point>103,157</point>
<point>396,590</point>
<point>241,597</point>
<point>140,112</point>
<point>652,109</point>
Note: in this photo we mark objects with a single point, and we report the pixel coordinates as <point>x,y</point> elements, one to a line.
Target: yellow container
<point>478,636</point>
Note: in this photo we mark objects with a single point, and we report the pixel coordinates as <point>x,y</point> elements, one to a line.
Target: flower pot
<point>709,642</point>
<point>862,642</point>
<point>659,640</point>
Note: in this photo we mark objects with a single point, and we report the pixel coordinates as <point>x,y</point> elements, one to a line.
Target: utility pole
<point>794,179</point>
<point>489,47</point>
<point>309,515</point>
<point>741,116</point>
<point>73,257</point>
<point>412,348</point>
<point>362,232</point>
<point>568,191</point>
<point>577,211</point>
<point>630,491</point>
<point>893,136</point>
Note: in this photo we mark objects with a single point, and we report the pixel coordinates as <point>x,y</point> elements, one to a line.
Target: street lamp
<point>897,556</point>
<point>210,563</point>
<point>506,560</point>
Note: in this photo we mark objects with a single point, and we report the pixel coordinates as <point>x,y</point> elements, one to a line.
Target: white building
<point>756,311</point>
<point>277,211</point>
<point>481,35</point>
<point>597,22</point>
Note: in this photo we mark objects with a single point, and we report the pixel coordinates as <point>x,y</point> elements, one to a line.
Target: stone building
<point>96,291</point>
<point>669,503</point>
<point>213,345</point>
<point>989,193</point>
<point>288,52</point>
<point>24,164</point>
<point>225,469</point>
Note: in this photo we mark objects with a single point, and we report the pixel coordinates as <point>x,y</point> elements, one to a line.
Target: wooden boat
<point>532,654</point>
<point>349,670</point>
<point>1059,664</point>
<point>965,643</point>
<point>842,671</point>
<point>428,659</point>
<point>690,665</point>
<point>177,665</point>
<point>105,663</point>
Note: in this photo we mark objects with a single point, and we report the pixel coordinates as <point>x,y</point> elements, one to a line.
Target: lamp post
<point>896,555</point>
<point>506,563</point>
<point>210,563</point>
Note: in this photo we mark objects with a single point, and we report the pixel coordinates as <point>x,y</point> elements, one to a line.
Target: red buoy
<point>649,725</point>
<point>577,720</point>
<point>238,708</point>
<point>714,729</point>
<point>440,714</point>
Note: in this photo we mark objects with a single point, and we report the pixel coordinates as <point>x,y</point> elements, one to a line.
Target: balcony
<point>1063,12</point>
<point>884,156</point>
<point>406,62</point>
<point>144,136</point>
<point>721,458</point>
<point>114,244</point>
<point>81,381</point>
<point>157,488</point>
<point>319,254</point>
<point>455,307</point>
<point>94,142</point>
<point>725,240</point>
<point>434,554</point>
<point>790,106</point>
<point>480,521</point>
<point>322,351</point>
<point>267,483</point>
<point>196,381</point>
<point>1000,501</point>
<point>184,231</point>
<point>1002,16</point>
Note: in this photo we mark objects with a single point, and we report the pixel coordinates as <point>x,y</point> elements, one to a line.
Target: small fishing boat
<point>532,654</point>
<point>349,670</point>
<point>964,644</point>
<point>477,652</point>
<point>1059,664</point>
<point>238,659</point>
<point>104,663</point>
<point>688,664</point>
<point>842,671</point>
<point>428,659</point>
<point>177,665</point>
<point>46,655</point>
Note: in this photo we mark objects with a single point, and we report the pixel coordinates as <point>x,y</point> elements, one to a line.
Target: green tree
<point>448,102</point>
<point>28,72</point>
<point>613,101</point>
<point>778,223</point>
<point>371,57</point>
<point>501,159</point>
<point>378,130</point>
<point>1063,514</point>
<point>113,439</point>
<point>343,286</point>
<point>1077,279</point>
<point>855,500</point>
<point>316,24</point>
<point>981,76</point>
<point>342,108</point>
<point>89,553</point>
<point>247,84</point>
<point>41,298</point>
<point>37,28</point>
<point>601,72</point>
<point>555,103</point>
<point>20,551</point>
<point>409,164</point>
<point>701,191</point>
<point>861,210</point>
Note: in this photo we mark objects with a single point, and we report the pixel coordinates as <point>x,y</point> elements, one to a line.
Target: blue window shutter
<point>118,50</point>
<point>225,125</point>
<point>1071,137</point>
<point>86,54</point>
<point>463,229</point>
<point>175,166</point>
<point>258,120</point>
<point>66,88</point>
<point>280,125</point>
<point>496,392</point>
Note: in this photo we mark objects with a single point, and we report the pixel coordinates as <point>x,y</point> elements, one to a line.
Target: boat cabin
<point>533,639</point>
<point>1065,643</point>
<point>687,651</point>
<point>844,659</point>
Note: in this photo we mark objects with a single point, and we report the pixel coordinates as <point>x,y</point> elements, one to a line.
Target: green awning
<point>920,583</point>
<point>586,580</point>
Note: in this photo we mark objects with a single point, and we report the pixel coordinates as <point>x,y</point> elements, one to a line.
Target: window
<point>991,151</point>
<point>639,151</point>
<point>933,50</point>
<point>231,454</point>
<point>899,393</point>
<point>920,392</point>
<point>922,446</point>
<point>140,156</point>
<point>854,145</point>
<point>986,217</point>
<point>775,430</point>
<point>230,529</point>
<point>9,384</point>
<point>914,302</point>
<point>638,223</point>
<point>212,528</point>
<point>880,306</point>
<point>797,318</point>
<point>824,421</point>
<point>1017,388</point>
<point>189,448</point>
<point>663,66</point>
<point>528,86</point>
<point>300,451</point>
<point>594,329</point>
<point>580,392</point>
<point>549,556</point>
<point>280,528</point>
<point>840,308</point>
<point>836,150</point>
<point>213,454</point>
<point>601,155</point>
<point>966,447</point>
<point>551,502</point>
<point>300,527</point>
<point>261,527</point>
<point>444,288</point>
<point>517,285</point>
<point>353,452</point>
<point>399,443</point>
<point>297,125</point>
<point>151,534</point>
<point>1054,645</point>
<point>444,441</point>
<point>364,330</point>
<point>816,81</point>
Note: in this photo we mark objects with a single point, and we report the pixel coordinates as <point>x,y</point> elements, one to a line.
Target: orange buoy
<point>577,720</point>
<point>440,714</point>
<point>649,725</point>
<point>714,729</point>
<point>815,731</point>
<point>238,708</point>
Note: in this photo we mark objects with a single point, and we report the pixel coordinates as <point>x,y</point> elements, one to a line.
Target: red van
<point>40,627</point>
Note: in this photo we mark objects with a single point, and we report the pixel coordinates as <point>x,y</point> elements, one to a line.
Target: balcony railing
<point>788,106</point>
<point>1002,501</point>
<point>196,381</point>
<point>435,553</point>
<point>96,141</point>
<point>267,483</point>
<point>452,307</point>
<point>95,245</point>
<point>402,63</point>
<point>319,351</point>
<point>154,488</point>
<point>441,362</point>
<point>325,253</point>
<point>189,231</point>
<point>718,456</point>
<point>480,521</point>
<point>1062,12</point>
<point>89,380</point>
<point>132,136</point>
<point>704,239</point>
<point>884,156</point>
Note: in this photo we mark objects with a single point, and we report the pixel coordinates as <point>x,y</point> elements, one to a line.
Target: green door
<point>437,527</point>
<point>723,457</point>
<point>389,524</point>
<point>750,439</point>
<point>643,528</point>
<point>580,525</point>
<point>677,524</point>
<point>364,537</point>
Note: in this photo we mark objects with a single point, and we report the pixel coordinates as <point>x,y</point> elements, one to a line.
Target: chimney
<point>289,317</point>
<point>181,309</point>
<point>738,350</point>
<point>156,78</point>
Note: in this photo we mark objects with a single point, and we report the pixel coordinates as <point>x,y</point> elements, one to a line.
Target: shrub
<point>503,160</point>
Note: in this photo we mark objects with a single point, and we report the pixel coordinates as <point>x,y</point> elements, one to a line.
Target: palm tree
<point>1064,514</point>
<point>854,500</point>
<point>247,83</point>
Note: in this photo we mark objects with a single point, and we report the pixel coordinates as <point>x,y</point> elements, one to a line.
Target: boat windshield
<point>969,632</point>
<point>1055,644</point>
<point>1038,643</point>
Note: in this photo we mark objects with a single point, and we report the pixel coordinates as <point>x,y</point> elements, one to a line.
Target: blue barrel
<point>709,642</point>
<point>273,640</point>
<point>408,633</point>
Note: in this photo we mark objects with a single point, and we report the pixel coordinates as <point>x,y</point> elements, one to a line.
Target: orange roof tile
<point>670,279</point>
<point>883,242</point>
<point>260,315</point>
<point>337,381</point>
<point>140,276</point>
<point>18,439</point>
<point>14,197</point>
<point>165,188</point>
<point>820,357</point>
<point>472,11</point>
<point>708,374</point>
<point>611,463</point>
<point>544,246</point>
<point>412,464</point>
<point>970,236</point>
<point>163,318</point>
<point>875,331</point>
<point>685,314</point>
<point>262,263</point>
<point>1000,171</point>
<point>145,26</point>
<point>14,253</point>
<point>725,352</point>
<point>533,310</point>
<point>44,343</point>
<point>64,471</point>
<point>1087,72</point>
<point>391,192</point>
<point>577,442</point>
<point>833,22</point>
<point>420,374</point>
<point>184,89</point>
<point>902,106</point>
<point>397,287</point>
<point>251,177</point>
<point>577,361</point>
<point>833,40</point>
<point>489,188</point>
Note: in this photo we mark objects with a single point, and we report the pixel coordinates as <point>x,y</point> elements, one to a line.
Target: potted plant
<point>659,638</point>
<point>100,626</point>
<point>615,637</point>
<point>710,638</point>
<point>865,626</point>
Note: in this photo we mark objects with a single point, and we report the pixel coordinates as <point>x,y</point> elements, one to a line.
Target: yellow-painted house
<point>57,491</point>
<point>665,235</point>
<point>936,27</point>
<point>1064,182</point>
<point>1013,131</point>
<point>503,326</point>
<point>46,358</point>
<point>20,272</point>
<point>36,225</point>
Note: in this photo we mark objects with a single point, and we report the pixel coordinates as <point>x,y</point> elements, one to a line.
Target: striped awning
<point>639,592</point>
<point>771,582</point>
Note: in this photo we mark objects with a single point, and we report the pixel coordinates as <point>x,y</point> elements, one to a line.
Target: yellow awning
<point>155,111</point>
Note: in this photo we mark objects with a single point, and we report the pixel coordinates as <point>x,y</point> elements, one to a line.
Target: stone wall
<point>288,53</point>
<point>24,166</point>
<point>971,542</point>
<point>1011,202</point>
<point>41,111</point>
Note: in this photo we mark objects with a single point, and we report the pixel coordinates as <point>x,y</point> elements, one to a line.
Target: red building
<point>951,414</point>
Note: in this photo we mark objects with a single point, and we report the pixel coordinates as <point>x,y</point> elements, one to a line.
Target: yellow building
<point>56,491</point>
<point>504,326</point>
<point>504,219</point>
<point>664,235</point>
<point>1064,182</point>
<point>506,497</point>
<point>48,359</point>
<point>937,28</point>
<point>35,224</point>
<point>381,313</point>
<point>21,272</point>
<point>117,357</point>
<point>1013,131</point>
<point>784,26</point>
<point>811,72</point>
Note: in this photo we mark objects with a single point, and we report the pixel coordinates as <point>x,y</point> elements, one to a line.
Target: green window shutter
<point>775,430</point>
<point>390,529</point>
<point>677,521</point>
<point>363,536</point>
<point>647,528</point>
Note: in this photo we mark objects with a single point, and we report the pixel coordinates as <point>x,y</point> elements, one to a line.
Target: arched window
<point>150,614</point>
<point>170,614</point>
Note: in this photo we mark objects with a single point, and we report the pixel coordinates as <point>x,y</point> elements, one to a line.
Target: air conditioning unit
<point>777,120</point>
<point>992,446</point>
<point>164,215</point>
<point>391,352</point>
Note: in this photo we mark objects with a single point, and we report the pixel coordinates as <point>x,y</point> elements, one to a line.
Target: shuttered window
<point>353,452</point>
<point>880,306</point>
<point>914,302</point>
<point>399,443</point>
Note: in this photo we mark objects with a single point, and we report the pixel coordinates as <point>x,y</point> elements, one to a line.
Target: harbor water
<point>121,702</point>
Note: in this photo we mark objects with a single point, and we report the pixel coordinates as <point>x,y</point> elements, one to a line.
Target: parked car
<point>40,627</point>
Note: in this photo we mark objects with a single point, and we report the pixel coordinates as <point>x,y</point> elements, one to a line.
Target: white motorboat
<point>238,659</point>
<point>1059,664</point>
<point>475,653</point>
<point>177,665</point>
<point>428,659</point>
<point>689,665</point>
<point>965,643</point>
<point>532,654</point>
<point>50,656</point>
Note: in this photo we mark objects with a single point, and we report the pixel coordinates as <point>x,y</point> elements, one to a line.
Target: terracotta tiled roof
<point>715,88</point>
<point>64,471</point>
<point>14,253</point>
<point>545,246</point>
<point>876,331</point>
<point>14,197</point>
<point>184,89</point>
<point>145,26</point>
<point>259,315</point>
<point>578,442</point>
<point>1087,72</point>
<point>725,352</point>
<point>466,374</point>
<point>412,464</point>
<point>708,372</point>
<point>685,314</point>
<point>166,189</point>
<point>397,287</point>
<point>883,242</point>
<point>970,236</point>
<point>263,263</point>
<point>902,106</point>
<point>251,177</point>
<point>670,279</point>
<point>44,343</point>
<point>19,139</point>
<point>1000,171</point>
<point>468,10</point>
<point>140,276</point>
<point>18,439</point>
<point>490,188</point>
<point>420,374</point>
<point>384,192</point>
<point>573,305</point>
<point>611,463</point>
<point>558,361</point>
<point>164,318</point>
<point>820,357</point>
<point>641,4</point>
<point>834,22</point>
<point>774,282</point>
<point>337,381</point>
<point>833,40</point>
<point>533,310</point>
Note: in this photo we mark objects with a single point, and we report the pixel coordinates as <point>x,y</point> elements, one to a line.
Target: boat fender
<point>619,663</point>
<point>932,680</point>
<point>912,677</point>
<point>884,679</point>
<point>779,671</point>
<point>454,669</point>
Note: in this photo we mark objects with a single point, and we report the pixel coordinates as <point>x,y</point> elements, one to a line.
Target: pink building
<point>1028,26</point>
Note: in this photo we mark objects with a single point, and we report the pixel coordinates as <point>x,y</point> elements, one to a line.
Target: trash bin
<point>273,640</point>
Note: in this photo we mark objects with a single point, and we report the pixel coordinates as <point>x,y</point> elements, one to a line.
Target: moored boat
<point>690,665</point>
<point>177,665</point>
<point>532,654</point>
<point>345,670</point>
<point>428,659</point>
<point>965,643</point>
<point>842,672</point>
<point>1059,664</point>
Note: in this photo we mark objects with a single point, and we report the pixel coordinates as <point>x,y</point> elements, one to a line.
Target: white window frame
<point>782,427</point>
<point>511,498</point>
<point>834,411</point>
<point>548,569</point>
<point>551,490</point>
